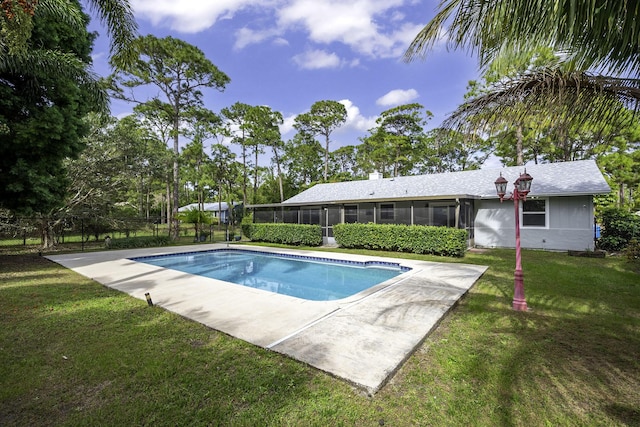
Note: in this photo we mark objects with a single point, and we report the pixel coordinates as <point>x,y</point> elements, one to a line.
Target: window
<point>350,214</point>
<point>310,216</point>
<point>534,213</point>
<point>386,212</point>
<point>443,214</point>
<point>290,216</point>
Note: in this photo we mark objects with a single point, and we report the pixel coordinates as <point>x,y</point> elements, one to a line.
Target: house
<point>218,210</point>
<point>558,213</point>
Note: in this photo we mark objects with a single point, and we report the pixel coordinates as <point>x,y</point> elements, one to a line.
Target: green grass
<point>73,352</point>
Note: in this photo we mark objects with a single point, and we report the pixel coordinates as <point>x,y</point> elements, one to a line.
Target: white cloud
<point>95,57</point>
<point>372,28</point>
<point>188,16</point>
<point>315,59</point>
<point>355,120</point>
<point>397,97</point>
<point>280,41</point>
<point>246,36</point>
<point>355,24</point>
<point>287,124</point>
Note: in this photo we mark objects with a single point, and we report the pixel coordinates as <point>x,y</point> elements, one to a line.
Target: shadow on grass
<point>115,359</point>
<point>576,352</point>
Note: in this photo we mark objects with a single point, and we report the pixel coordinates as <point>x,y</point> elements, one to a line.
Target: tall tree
<point>402,128</point>
<point>397,132</point>
<point>623,168</point>
<point>155,116</point>
<point>373,154</point>
<point>446,150</point>
<point>201,125</point>
<point>345,164</point>
<point>301,158</point>
<point>121,166</point>
<point>263,129</point>
<point>323,118</point>
<point>224,172</point>
<point>143,157</point>
<point>43,115</point>
<point>180,71</point>
<point>236,116</point>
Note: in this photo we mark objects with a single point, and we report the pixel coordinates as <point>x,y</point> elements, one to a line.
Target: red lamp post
<point>522,186</point>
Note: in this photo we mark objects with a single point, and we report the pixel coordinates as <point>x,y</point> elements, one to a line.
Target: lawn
<point>73,352</point>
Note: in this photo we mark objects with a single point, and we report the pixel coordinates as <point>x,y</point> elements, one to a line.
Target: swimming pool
<point>311,278</point>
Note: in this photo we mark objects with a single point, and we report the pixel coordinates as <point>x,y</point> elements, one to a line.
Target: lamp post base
<point>519,305</point>
<point>519,302</point>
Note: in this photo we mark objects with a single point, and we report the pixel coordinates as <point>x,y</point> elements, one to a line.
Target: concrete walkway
<point>363,339</point>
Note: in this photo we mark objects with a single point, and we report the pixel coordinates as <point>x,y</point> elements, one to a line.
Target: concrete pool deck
<point>363,339</point>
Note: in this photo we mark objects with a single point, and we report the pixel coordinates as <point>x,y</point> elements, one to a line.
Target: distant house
<point>557,215</point>
<point>218,210</point>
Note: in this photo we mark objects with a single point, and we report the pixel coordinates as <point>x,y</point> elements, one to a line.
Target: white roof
<point>551,179</point>
<point>208,207</point>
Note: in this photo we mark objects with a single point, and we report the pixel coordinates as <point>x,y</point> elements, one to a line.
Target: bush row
<point>288,234</point>
<point>419,239</point>
<point>139,242</point>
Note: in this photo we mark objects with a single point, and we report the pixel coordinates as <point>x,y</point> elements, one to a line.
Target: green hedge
<point>139,242</point>
<point>619,227</point>
<point>418,239</point>
<point>288,234</point>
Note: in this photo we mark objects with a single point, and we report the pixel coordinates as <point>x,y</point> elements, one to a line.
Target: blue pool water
<point>316,279</point>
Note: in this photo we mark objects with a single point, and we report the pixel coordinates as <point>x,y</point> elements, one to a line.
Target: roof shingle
<point>551,179</point>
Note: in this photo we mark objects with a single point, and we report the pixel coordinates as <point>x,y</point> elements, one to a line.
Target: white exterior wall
<point>569,225</point>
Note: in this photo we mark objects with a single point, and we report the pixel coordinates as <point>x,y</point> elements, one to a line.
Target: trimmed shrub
<point>288,234</point>
<point>139,242</point>
<point>246,224</point>
<point>420,239</point>
<point>618,228</point>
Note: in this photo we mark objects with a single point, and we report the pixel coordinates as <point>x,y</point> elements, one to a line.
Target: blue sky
<point>288,54</point>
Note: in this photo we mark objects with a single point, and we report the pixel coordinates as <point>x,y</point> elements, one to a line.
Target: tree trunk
<point>163,215</point>
<point>255,181</point>
<point>169,203</point>
<point>275,154</point>
<point>244,169</point>
<point>147,207</point>
<point>175,227</point>
<point>519,143</point>
<point>47,235</point>
<point>219,206</point>
<point>326,158</point>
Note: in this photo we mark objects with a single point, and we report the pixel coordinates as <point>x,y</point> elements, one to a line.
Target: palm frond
<point>553,94</point>
<point>118,17</point>
<point>46,62</point>
<point>604,35</point>
<point>62,11</point>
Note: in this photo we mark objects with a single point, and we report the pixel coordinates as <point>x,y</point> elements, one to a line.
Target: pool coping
<point>363,339</point>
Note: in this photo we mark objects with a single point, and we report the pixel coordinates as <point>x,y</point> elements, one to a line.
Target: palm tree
<point>16,24</point>
<point>601,35</point>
